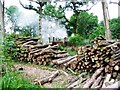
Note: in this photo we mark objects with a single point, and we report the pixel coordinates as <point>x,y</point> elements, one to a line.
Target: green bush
<point>97,31</point>
<point>27,31</point>
<point>9,46</point>
<point>76,40</point>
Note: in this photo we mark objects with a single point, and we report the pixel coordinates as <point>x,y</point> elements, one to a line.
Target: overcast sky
<point>96,10</point>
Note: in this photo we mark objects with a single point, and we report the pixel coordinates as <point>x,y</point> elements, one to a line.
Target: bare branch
<point>115,3</point>
<point>30,7</point>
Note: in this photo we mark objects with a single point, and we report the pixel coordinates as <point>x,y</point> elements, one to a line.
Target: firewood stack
<point>101,53</point>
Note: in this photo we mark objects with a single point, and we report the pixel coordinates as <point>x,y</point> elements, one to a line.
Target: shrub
<point>76,40</point>
<point>100,30</point>
<point>9,45</point>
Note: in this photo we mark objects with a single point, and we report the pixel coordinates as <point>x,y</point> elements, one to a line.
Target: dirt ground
<point>33,72</point>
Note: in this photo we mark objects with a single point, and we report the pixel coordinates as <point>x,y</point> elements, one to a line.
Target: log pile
<point>102,58</point>
<point>95,81</point>
<point>101,53</point>
<point>30,51</point>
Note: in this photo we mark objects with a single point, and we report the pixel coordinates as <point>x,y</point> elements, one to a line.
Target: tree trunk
<point>106,22</point>
<point>2,29</point>
<point>40,23</point>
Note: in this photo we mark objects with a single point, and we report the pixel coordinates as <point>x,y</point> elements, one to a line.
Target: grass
<point>15,80</point>
<point>10,78</point>
<point>59,86</point>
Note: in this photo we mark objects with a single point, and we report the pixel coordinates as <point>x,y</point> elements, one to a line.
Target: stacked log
<point>95,81</point>
<point>47,54</point>
<point>22,44</point>
<point>101,53</point>
<point>102,58</point>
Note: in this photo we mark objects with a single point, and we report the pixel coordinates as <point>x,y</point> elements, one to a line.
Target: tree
<point>27,31</point>
<point>106,22</point>
<point>75,6</point>
<point>2,26</point>
<point>97,31</point>
<point>115,27</point>
<point>111,2</point>
<point>13,14</point>
<point>80,22</point>
<point>37,10</point>
<point>84,25</point>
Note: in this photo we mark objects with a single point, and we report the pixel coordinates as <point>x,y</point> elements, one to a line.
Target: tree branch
<point>115,3</point>
<point>30,7</point>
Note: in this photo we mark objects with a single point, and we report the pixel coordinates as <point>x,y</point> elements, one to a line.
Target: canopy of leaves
<point>83,24</point>
<point>114,27</point>
<point>12,12</point>
<point>52,11</point>
<point>97,31</point>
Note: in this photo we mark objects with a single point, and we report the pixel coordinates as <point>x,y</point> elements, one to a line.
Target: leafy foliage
<point>100,30</point>
<point>9,45</point>
<point>26,31</point>
<point>13,14</point>
<point>15,80</point>
<point>82,24</point>
<point>76,40</point>
<point>114,27</point>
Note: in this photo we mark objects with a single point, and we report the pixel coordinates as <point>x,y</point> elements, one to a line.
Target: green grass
<point>15,80</point>
<point>59,86</point>
<point>10,78</point>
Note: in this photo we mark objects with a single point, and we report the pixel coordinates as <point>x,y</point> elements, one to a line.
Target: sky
<point>96,10</point>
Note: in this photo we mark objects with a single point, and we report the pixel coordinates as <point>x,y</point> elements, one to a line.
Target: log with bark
<point>47,79</point>
<point>93,78</point>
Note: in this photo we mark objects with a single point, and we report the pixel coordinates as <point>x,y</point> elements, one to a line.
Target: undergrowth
<point>10,78</point>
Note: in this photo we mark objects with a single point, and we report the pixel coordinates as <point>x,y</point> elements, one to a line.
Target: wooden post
<point>106,22</point>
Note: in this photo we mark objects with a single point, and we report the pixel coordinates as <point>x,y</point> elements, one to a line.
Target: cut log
<point>71,71</point>
<point>75,79</point>
<point>116,85</point>
<point>39,46</point>
<point>58,62</point>
<point>47,79</point>
<point>61,55</point>
<point>92,79</point>
<point>107,78</point>
<point>67,63</point>
<point>96,82</point>
<point>74,84</point>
